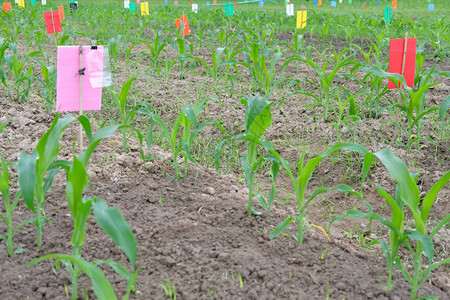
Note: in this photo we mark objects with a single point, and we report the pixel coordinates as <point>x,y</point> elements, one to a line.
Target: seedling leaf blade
<point>280,228</point>
<point>102,287</point>
<point>114,224</point>
<point>257,115</point>
<point>27,177</point>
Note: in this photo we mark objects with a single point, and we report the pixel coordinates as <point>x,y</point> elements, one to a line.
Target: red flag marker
<point>52,22</point>
<point>6,6</point>
<point>186,28</point>
<point>61,12</point>
<point>402,60</point>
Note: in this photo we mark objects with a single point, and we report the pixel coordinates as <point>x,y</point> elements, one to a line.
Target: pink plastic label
<point>68,80</point>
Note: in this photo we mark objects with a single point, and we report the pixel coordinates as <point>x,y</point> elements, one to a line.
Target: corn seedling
<point>264,74</point>
<point>325,78</point>
<point>22,77</point>
<point>217,56</point>
<point>182,56</point>
<point>300,183</point>
<point>114,44</point>
<point>155,50</point>
<point>9,208</point>
<point>108,218</point>
<point>127,115</point>
<point>257,118</point>
<point>48,86</point>
<point>169,290</point>
<point>407,195</point>
<point>414,107</point>
<point>188,120</point>
<point>35,172</point>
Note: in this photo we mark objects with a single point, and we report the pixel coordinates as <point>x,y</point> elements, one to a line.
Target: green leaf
<point>98,136</point>
<point>187,151</point>
<point>102,287</point>
<point>114,224</point>
<point>341,188</point>
<point>124,94</point>
<point>397,168</point>
<point>77,180</point>
<point>257,115</point>
<point>426,243</point>
<point>48,182</point>
<point>430,197</point>
<point>444,108</point>
<point>190,114</point>
<point>262,201</point>
<point>397,216</point>
<point>4,176</point>
<point>118,268</point>
<point>255,213</point>
<point>280,228</point>
<point>27,177</point>
<point>48,145</point>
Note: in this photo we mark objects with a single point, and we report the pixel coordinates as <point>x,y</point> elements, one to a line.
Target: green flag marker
<point>229,9</point>
<point>387,14</point>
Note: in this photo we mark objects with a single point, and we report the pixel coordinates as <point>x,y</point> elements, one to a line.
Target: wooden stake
<point>182,22</point>
<point>81,98</point>
<point>54,31</point>
<point>403,66</point>
<point>404,53</point>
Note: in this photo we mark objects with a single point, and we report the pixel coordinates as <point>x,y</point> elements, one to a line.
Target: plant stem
<point>417,267</point>
<point>9,236</point>
<point>250,195</point>
<point>301,224</point>
<point>251,158</point>
<point>39,224</point>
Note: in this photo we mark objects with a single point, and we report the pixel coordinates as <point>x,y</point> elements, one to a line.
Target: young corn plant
<point>113,224</point>
<point>180,45</point>
<point>48,86</point>
<point>127,115</point>
<point>413,103</point>
<point>407,195</point>
<point>22,76</point>
<point>413,106</point>
<point>114,44</point>
<point>155,50</point>
<point>262,73</point>
<point>9,208</point>
<point>326,78</point>
<point>188,120</point>
<point>257,119</point>
<point>217,57</point>
<point>108,218</point>
<point>300,183</point>
<point>35,172</point>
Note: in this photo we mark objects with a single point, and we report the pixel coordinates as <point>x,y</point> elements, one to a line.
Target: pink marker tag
<point>68,81</point>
